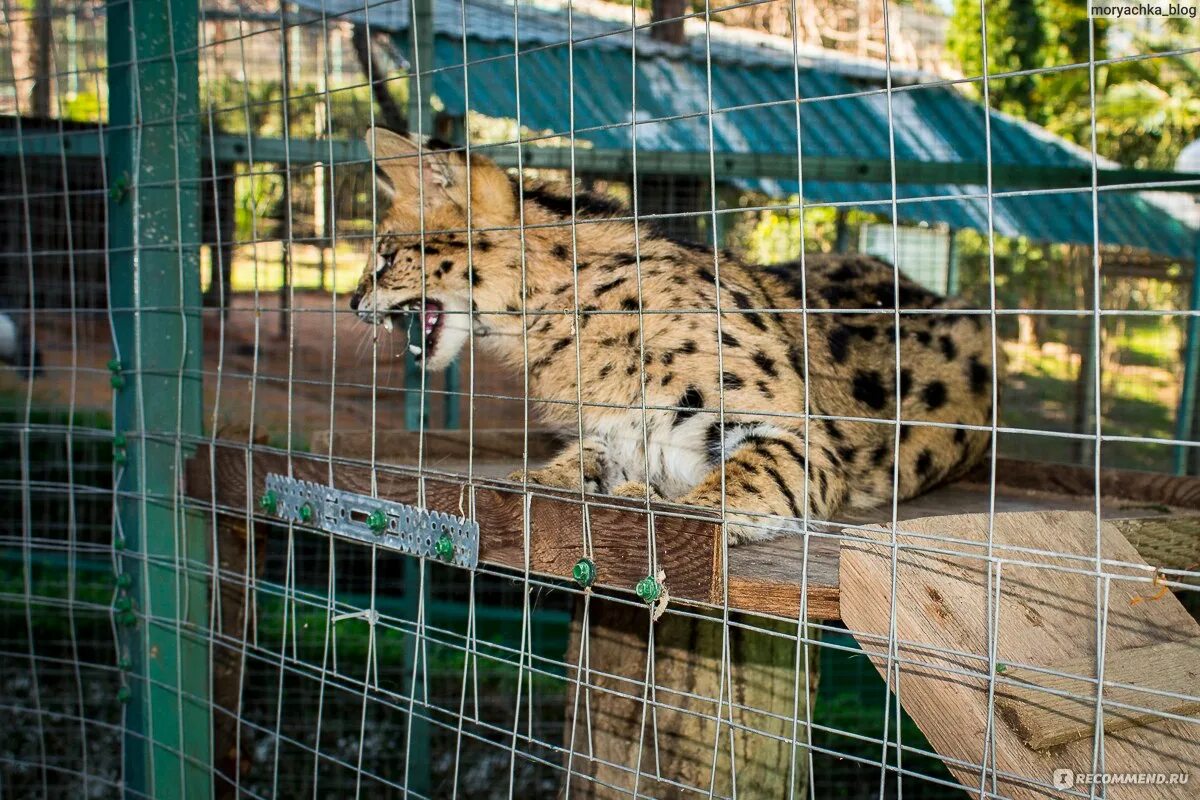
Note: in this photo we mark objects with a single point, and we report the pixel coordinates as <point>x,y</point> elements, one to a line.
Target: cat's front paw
<point>636,489</point>
<point>554,477</point>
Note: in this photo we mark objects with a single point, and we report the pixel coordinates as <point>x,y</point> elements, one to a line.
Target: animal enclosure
<point>446,398</point>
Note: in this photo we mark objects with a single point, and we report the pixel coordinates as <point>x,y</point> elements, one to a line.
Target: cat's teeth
<point>387,324</point>
<point>416,351</point>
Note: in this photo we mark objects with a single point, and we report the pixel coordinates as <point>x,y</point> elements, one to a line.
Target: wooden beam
<point>1044,720</point>
<point>764,578</point>
<point>1044,616</point>
<point>1147,488</point>
<point>688,547</point>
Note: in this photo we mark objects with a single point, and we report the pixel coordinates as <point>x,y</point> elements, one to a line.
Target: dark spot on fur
<point>765,390</point>
<point>743,302</point>
<point>605,371</point>
<point>561,252</point>
<point>729,340</point>
<point>960,435</point>
<point>587,204</point>
<point>781,484</point>
<point>445,266</point>
<point>879,454</point>
<point>924,463</point>
<point>666,378</point>
<point>796,359</point>
<point>839,343</point>
<point>691,401</point>
<point>868,389</point>
<point>667,359</point>
<point>846,273</point>
<point>705,274</point>
<point>980,376</point>
<point>834,295</point>
<point>949,348</point>
<point>714,442</point>
<point>924,337</point>
<point>905,382</point>
<point>832,429</point>
<point>731,382</point>
<point>608,287</point>
<point>476,278</point>
<point>934,395</point>
<point>766,364</point>
<point>688,347</point>
<point>629,304</point>
<point>848,453</point>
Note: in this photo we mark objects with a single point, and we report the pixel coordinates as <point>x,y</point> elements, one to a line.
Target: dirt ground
<point>237,386</point>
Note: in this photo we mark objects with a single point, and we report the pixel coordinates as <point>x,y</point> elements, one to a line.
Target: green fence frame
<point>153,163</point>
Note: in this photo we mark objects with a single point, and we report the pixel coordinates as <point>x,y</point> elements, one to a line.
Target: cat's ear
<point>411,168</point>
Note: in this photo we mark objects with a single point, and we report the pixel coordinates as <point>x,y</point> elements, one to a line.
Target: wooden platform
<point>1045,617</point>
<point>763,578</point>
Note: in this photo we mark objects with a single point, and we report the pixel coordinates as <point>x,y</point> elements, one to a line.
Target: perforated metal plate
<point>408,529</point>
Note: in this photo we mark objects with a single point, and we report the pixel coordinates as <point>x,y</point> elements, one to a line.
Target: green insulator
<point>648,589</point>
<point>377,521</point>
<point>584,572</point>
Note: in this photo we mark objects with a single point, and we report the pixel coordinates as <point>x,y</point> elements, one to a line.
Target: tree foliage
<point>1147,108</point>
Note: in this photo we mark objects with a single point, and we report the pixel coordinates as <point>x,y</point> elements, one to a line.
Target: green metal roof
<point>844,113</point>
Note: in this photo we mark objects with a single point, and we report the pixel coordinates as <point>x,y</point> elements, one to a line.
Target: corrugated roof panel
<point>931,123</point>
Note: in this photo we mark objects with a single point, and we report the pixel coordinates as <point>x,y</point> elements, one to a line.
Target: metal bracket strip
<point>371,520</point>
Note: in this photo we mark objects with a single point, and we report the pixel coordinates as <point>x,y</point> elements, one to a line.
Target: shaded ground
<point>306,367</point>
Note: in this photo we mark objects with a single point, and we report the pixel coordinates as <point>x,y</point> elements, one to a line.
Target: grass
<point>260,267</point>
<point>1139,395</point>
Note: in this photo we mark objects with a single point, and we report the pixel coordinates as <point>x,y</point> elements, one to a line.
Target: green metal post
<point>453,395</point>
<point>153,167</point>
<point>1185,415</point>
<point>841,242</point>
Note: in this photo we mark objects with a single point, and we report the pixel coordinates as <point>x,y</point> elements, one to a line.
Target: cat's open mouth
<point>422,326</point>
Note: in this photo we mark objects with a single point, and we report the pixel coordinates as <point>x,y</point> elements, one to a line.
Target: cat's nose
<point>355,299</point>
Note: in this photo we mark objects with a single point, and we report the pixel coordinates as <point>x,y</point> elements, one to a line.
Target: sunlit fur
<point>668,398</point>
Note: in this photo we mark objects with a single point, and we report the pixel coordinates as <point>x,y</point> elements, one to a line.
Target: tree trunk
<point>683,706</point>
<point>671,10</point>
<point>390,116</point>
<point>43,61</point>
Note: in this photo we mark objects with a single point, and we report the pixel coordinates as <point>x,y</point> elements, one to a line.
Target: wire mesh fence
<point>659,400</point>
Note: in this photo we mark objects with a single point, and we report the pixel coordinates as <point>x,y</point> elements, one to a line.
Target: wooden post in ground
<point>237,570</point>
<point>677,729</point>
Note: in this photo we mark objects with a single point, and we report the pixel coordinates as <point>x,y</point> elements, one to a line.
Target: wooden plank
<point>1133,486</point>
<point>766,577</point>
<point>687,548</point>
<point>1045,617</point>
<point>1044,720</point>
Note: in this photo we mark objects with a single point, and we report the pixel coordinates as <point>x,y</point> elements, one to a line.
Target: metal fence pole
<point>154,230</point>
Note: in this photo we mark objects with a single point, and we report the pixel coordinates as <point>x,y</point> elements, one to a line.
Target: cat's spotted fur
<point>646,317</point>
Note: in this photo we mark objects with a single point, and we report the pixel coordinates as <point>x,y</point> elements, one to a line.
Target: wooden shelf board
<point>763,578</point>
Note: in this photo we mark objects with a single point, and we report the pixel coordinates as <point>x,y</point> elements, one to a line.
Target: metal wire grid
<point>506,739</point>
